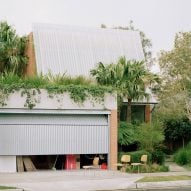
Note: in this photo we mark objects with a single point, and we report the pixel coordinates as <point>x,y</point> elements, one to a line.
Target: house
<point>57,127</point>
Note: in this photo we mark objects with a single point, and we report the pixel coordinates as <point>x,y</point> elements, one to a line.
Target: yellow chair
<point>95,164</point>
<point>144,159</point>
<point>125,161</point>
<point>143,162</point>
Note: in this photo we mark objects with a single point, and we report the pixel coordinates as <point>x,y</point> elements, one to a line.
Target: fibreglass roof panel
<point>76,50</point>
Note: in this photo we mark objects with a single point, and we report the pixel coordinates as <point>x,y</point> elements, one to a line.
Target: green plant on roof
<point>79,88</point>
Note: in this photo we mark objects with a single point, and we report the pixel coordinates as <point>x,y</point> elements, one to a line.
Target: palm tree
<point>12,50</point>
<point>129,77</point>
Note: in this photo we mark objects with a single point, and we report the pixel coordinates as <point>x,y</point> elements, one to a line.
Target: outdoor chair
<point>125,161</point>
<point>143,162</point>
<point>95,164</point>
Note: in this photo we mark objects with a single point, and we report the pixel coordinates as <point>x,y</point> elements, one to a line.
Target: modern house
<point>58,126</point>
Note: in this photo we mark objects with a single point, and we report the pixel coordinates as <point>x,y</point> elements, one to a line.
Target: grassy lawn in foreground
<point>6,187</point>
<point>164,178</point>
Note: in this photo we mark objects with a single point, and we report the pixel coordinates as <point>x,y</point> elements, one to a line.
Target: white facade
<point>54,126</point>
<point>60,101</point>
<point>8,164</point>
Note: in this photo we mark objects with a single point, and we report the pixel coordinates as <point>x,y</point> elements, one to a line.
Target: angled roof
<point>76,50</point>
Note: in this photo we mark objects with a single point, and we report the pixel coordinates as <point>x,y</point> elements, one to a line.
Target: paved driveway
<point>84,180</point>
<point>69,180</point>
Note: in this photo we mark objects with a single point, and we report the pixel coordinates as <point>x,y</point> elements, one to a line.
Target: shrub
<point>183,156</point>
<point>149,136</point>
<point>136,155</point>
<point>164,168</point>
<point>126,133</point>
<point>158,157</point>
<point>158,168</point>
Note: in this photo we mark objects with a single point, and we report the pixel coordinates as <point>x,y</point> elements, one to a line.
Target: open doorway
<point>40,162</point>
<point>47,162</point>
<point>87,159</point>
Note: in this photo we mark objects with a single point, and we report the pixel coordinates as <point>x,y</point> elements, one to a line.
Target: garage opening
<point>46,162</point>
<point>54,141</point>
<point>59,162</point>
<point>40,162</point>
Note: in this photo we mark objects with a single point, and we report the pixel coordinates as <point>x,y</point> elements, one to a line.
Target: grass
<point>6,187</point>
<point>164,178</point>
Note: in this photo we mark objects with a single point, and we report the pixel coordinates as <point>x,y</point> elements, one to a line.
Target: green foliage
<point>126,133</point>
<point>12,50</point>
<point>129,78</point>
<point>150,167</point>
<point>149,136</point>
<point>158,157</point>
<point>136,155</point>
<point>177,129</point>
<point>63,79</point>
<point>7,187</point>
<point>31,88</point>
<point>183,157</point>
<point>158,168</point>
<point>176,87</point>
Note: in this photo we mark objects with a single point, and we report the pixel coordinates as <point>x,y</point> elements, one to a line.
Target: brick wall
<point>31,67</point>
<point>113,140</point>
<point>147,113</point>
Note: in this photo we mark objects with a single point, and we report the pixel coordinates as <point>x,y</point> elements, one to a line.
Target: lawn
<point>164,178</point>
<point>6,187</point>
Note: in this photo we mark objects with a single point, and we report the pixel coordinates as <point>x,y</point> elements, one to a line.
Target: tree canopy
<point>176,129</point>
<point>175,71</point>
<point>129,77</point>
<point>12,50</point>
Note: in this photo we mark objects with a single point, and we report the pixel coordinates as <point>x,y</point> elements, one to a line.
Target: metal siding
<point>76,50</point>
<point>34,135</point>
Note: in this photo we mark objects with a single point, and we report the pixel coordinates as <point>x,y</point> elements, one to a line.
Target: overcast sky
<point>159,19</point>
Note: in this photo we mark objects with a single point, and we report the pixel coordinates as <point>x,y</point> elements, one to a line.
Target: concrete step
<point>173,167</point>
<point>169,158</point>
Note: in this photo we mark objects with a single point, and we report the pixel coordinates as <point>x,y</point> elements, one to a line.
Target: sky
<point>160,20</point>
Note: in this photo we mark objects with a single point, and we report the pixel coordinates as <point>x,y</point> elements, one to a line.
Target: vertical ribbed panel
<point>76,50</point>
<point>69,135</point>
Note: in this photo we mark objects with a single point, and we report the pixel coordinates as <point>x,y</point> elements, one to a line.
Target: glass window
<point>138,113</point>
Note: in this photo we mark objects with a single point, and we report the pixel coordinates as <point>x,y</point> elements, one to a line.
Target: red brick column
<point>147,113</point>
<point>31,67</point>
<point>113,139</point>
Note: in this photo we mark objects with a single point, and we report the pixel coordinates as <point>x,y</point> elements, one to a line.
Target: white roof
<point>77,50</point>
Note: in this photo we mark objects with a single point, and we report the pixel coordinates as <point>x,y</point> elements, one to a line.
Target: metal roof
<point>76,50</point>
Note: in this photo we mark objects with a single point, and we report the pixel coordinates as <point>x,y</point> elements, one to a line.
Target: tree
<point>129,77</point>
<point>178,128</point>
<point>175,90</point>
<point>12,50</point>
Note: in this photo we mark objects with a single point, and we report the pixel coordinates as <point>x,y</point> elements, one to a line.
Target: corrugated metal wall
<point>52,134</point>
<point>76,50</point>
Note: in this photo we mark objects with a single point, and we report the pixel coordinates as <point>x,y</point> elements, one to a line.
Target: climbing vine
<point>30,89</point>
